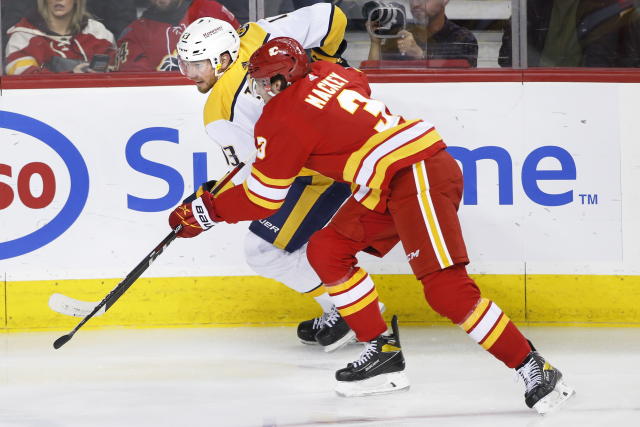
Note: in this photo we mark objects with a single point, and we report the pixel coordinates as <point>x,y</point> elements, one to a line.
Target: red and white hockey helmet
<point>208,38</point>
<point>282,55</point>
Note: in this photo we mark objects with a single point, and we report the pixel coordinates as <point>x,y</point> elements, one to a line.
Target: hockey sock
<point>321,296</point>
<point>496,333</point>
<point>357,301</point>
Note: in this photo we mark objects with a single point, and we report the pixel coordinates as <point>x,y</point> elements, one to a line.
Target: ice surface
<point>264,377</point>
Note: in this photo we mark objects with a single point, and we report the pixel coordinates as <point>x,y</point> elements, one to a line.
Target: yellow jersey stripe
<point>403,152</point>
<point>308,198</point>
<point>267,204</point>
<point>355,160</point>
<point>475,314</point>
<point>23,63</point>
<point>495,334</point>
<point>278,182</point>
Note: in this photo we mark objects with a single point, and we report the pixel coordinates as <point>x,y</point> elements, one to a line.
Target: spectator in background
<point>239,8</point>
<point>149,43</point>
<point>114,14</point>
<point>57,37</point>
<point>429,36</point>
<point>574,33</point>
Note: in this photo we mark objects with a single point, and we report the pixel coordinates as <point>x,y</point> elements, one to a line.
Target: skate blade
<point>308,342</point>
<point>556,399</point>
<point>380,384</point>
<point>349,337</point>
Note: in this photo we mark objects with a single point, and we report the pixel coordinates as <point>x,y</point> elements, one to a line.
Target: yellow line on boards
<point>597,301</point>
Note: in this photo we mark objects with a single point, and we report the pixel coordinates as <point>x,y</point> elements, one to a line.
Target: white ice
<point>262,377</point>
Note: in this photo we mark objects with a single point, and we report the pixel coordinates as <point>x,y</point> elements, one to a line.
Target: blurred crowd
<point>85,36</point>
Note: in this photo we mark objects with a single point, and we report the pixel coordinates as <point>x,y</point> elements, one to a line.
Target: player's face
<point>201,72</point>
<point>265,89</point>
<point>60,8</point>
<point>423,10</point>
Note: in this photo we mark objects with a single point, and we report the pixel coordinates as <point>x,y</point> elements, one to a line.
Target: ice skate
<point>546,391</point>
<point>335,332</point>
<point>308,329</point>
<point>380,368</point>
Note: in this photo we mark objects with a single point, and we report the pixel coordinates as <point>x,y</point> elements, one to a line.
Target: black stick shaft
<point>126,283</point>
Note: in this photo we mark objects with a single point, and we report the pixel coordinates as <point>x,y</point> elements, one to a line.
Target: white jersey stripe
<point>369,162</point>
<point>261,190</point>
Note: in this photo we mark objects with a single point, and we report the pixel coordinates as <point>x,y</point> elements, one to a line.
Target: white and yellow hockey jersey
<point>231,111</point>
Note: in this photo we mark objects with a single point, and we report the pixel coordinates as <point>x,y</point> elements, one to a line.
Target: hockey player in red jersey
<point>407,189</point>
<point>148,43</point>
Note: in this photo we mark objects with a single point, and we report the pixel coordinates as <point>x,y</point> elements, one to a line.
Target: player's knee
<point>261,255</point>
<point>330,255</point>
<point>451,292</point>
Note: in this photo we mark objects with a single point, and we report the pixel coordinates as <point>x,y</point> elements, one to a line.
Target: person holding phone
<point>60,36</point>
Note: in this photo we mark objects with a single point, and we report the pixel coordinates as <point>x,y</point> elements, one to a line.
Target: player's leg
<point>276,248</point>
<point>331,251</point>
<point>425,200</point>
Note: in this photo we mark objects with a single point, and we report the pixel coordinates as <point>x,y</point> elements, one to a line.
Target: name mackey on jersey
<point>327,122</point>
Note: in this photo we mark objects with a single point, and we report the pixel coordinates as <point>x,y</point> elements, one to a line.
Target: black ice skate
<point>545,389</point>
<point>335,332</point>
<point>308,329</point>
<point>380,368</point>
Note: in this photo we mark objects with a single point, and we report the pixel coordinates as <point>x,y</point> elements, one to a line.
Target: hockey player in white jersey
<point>215,57</point>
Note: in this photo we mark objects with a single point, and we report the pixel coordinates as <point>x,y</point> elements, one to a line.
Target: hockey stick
<point>125,284</point>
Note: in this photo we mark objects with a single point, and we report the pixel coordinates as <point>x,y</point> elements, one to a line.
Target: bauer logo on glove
<point>194,216</point>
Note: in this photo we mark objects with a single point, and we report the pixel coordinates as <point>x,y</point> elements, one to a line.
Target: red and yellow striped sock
<point>357,301</point>
<point>496,333</point>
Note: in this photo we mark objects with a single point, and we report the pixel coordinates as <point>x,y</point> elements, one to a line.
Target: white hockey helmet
<point>208,38</point>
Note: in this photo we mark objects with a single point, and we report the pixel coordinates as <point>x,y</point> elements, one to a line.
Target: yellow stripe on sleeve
<point>401,153</point>
<point>277,182</point>
<point>22,64</point>
<point>354,161</point>
<point>267,204</point>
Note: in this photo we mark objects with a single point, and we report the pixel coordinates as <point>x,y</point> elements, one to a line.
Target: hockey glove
<point>195,216</point>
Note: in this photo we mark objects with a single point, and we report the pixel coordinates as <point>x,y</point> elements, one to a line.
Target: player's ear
<point>225,61</point>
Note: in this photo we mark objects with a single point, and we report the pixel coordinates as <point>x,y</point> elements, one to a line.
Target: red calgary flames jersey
<point>328,123</point>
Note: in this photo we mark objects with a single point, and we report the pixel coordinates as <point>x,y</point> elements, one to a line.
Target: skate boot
<point>308,329</point>
<point>380,368</point>
<point>545,389</point>
<point>335,332</point>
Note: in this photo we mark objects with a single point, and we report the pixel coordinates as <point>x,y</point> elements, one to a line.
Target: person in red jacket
<point>407,188</point>
<point>149,43</point>
<point>59,36</point>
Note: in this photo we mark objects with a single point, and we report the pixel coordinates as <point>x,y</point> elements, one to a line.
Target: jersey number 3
<point>351,101</point>
<point>261,145</point>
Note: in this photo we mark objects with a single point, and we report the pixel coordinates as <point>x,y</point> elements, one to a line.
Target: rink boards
<point>89,175</point>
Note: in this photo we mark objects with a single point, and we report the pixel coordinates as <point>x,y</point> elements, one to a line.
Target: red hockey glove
<point>195,216</point>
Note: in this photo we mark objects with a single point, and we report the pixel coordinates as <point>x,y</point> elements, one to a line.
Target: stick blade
<point>61,341</point>
<point>72,307</point>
